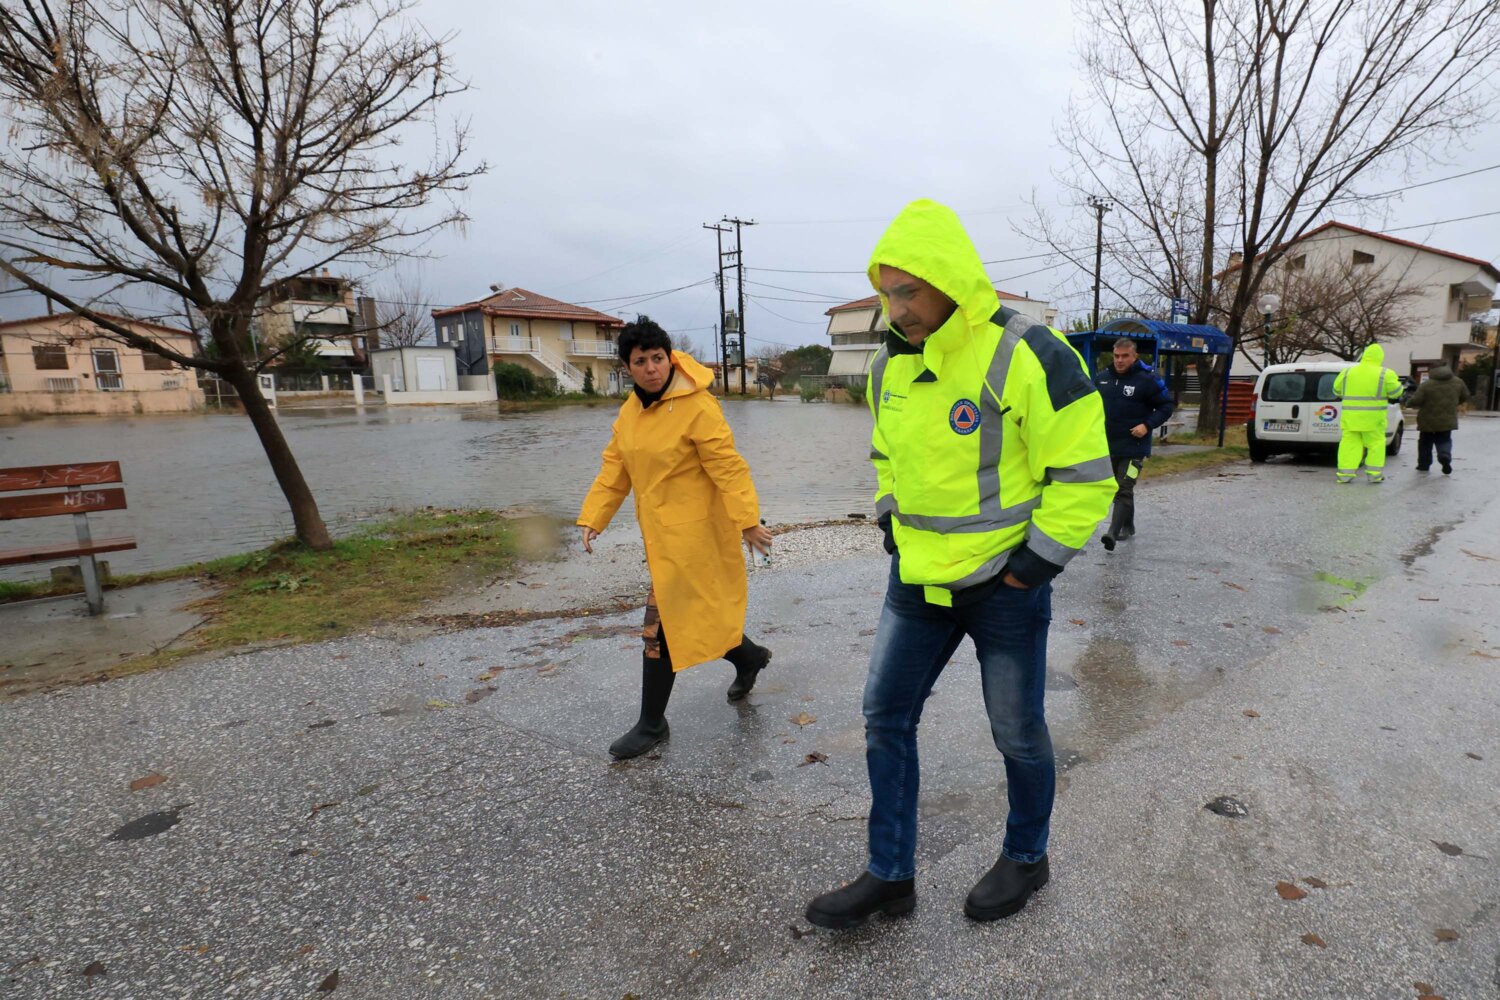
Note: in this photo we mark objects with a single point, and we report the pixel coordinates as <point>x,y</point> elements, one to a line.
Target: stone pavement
<point>1326,655</point>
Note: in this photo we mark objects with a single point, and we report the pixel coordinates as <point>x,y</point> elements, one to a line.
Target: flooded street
<point>200,487</point>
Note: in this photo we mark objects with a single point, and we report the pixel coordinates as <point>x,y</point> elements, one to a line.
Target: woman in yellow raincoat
<point>695,502</point>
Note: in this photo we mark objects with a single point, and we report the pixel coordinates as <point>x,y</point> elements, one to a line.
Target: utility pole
<point>1100,206</point>
<point>719,232</point>
<point>739,265</point>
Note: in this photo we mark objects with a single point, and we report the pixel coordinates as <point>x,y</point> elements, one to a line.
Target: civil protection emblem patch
<point>964,417</point>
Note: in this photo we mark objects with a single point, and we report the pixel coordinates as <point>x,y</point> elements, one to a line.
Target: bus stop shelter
<point>1161,342</point>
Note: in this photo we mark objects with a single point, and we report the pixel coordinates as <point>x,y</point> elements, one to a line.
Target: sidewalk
<point>436,817</point>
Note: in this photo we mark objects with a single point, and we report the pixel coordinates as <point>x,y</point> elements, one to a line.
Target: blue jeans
<point>913,644</point>
<point>1425,442</point>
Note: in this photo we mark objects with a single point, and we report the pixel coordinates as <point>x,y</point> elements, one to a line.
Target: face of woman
<point>649,367</point>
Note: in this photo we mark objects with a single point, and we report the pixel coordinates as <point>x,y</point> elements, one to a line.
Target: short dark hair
<point>645,334</point>
<point>1126,342</point>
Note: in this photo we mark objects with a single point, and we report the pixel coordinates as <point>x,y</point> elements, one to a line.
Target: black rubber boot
<point>749,660</point>
<point>1110,536</point>
<point>1005,889</point>
<point>861,899</point>
<point>656,690</point>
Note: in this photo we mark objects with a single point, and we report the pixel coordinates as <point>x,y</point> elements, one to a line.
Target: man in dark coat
<point>1136,402</point>
<point>1437,401</point>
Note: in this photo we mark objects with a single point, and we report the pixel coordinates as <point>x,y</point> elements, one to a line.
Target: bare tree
<point>1337,307</point>
<point>403,312</point>
<point>188,153</point>
<point>1235,125</point>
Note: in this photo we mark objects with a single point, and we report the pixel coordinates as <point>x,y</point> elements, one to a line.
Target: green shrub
<point>856,391</point>
<point>516,382</point>
<point>810,392</point>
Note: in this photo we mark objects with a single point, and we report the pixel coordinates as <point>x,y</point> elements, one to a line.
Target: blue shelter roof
<point>1173,338</point>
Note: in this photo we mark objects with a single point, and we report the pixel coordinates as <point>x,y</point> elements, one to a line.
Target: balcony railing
<point>514,345</point>
<point>591,348</point>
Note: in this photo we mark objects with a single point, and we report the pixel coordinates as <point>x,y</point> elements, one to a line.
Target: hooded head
<point>1374,355</point>
<point>926,241</point>
<point>1440,373</point>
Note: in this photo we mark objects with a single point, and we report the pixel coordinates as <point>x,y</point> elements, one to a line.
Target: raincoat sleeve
<point>714,441</point>
<point>609,491</point>
<point>1338,383</point>
<point>1062,426</point>
<point>1392,387</point>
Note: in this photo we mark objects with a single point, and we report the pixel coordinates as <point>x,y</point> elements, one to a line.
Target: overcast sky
<point>614,131</point>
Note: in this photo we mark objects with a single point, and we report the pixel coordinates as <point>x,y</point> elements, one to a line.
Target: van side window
<point>1325,387</point>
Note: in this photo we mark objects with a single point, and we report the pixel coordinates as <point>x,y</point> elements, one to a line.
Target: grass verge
<point>289,593</point>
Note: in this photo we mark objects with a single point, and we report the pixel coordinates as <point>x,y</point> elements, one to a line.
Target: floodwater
<point>199,486</point>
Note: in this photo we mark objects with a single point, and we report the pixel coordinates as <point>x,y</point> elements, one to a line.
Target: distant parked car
<point>1297,411</point>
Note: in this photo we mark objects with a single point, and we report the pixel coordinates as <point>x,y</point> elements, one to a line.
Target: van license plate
<point>1283,425</point>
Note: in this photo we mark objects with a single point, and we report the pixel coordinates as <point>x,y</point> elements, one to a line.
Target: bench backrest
<point>69,490</point>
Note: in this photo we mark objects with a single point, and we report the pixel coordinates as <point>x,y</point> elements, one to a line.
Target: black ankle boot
<point>857,902</point>
<point>657,677</point>
<point>749,660</point>
<point>643,737</point>
<point>1005,889</point>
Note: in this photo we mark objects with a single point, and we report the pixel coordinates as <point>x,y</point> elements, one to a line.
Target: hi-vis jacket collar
<point>928,241</point>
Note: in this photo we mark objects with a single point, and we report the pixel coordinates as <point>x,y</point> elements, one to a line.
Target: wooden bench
<point>69,489</point>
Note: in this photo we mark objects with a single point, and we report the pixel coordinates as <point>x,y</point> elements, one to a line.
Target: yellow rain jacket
<point>989,439</point>
<point>693,497</point>
<point>1366,390</point>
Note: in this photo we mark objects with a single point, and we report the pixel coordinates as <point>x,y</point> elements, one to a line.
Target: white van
<point>1296,411</point>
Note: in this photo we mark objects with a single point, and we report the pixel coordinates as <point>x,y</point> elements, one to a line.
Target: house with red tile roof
<point>554,339</point>
<point>1454,287</point>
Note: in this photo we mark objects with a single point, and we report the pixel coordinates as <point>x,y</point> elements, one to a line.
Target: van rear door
<point>1282,414</point>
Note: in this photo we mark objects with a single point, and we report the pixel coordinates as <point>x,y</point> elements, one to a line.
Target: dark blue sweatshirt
<point>1137,397</point>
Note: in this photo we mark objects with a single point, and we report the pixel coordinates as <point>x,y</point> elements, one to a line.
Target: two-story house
<point>66,364</point>
<point>555,339</point>
<point>1449,288</point>
<point>323,306</point>
<point>857,329</point>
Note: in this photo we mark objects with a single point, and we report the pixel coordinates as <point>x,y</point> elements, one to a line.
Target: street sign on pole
<point>1179,308</point>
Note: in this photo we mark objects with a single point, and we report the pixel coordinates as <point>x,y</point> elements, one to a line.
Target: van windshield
<point>1299,387</point>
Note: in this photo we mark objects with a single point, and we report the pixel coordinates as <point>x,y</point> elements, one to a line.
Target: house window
<point>49,357</point>
<point>515,329</point>
<point>156,363</point>
<point>442,335</point>
<point>567,330</point>
<point>1297,263</point>
<point>1360,257</point>
<point>1456,304</point>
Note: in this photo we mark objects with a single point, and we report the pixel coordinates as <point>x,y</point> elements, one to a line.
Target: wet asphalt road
<point>1327,655</point>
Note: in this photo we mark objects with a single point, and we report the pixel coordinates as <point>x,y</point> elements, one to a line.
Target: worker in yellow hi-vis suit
<point>1366,390</point>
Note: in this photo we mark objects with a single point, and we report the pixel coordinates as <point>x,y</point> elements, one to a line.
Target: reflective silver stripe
<point>877,377</point>
<point>965,524</point>
<point>1345,472</point>
<point>988,570</point>
<point>1049,549</point>
<point>876,455</point>
<point>992,419</point>
<point>1366,408</point>
<point>885,505</point>
<point>1093,471</point>
<point>1363,398</point>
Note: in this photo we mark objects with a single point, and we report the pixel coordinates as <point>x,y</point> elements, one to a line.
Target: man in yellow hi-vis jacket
<point>993,470</point>
<point>1366,390</point>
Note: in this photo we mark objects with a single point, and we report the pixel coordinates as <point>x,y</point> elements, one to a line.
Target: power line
<point>804,322</point>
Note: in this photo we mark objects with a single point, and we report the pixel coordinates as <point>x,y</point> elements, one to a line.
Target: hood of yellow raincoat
<point>691,376</point>
<point>928,241</point>
<point>1374,355</point>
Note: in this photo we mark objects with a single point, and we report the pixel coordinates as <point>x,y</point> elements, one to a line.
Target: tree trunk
<point>1211,390</point>
<point>307,521</point>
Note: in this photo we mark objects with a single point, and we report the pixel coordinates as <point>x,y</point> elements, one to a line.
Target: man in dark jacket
<point>1437,401</point>
<point>1136,402</point>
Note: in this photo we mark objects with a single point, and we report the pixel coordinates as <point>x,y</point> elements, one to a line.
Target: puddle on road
<point>149,825</point>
